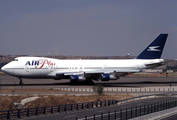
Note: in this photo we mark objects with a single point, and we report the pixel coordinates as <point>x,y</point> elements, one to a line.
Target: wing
<point>95,75</point>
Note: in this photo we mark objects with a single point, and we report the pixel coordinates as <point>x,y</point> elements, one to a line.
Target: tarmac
<point>124,85</point>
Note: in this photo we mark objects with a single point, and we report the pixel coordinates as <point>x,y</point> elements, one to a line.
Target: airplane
<point>86,70</point>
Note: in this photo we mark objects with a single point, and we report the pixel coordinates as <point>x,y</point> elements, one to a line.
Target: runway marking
<point>166,116</point>
<point>70,116</point>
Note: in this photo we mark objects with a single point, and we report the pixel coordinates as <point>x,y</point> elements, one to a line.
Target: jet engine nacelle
<point>76,78</point>
<point>107,77</point>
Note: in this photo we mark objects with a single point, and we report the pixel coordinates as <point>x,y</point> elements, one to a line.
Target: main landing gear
<point>21,82</point>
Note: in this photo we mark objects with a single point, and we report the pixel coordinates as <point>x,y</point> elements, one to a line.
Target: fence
<point>18,113</point>
<point>52,109</point>
<point>133,112</point>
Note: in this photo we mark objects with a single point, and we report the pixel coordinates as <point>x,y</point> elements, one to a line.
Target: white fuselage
<point>82,70</point>
<point>39,67</point>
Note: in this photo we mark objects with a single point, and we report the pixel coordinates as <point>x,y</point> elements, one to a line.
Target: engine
<point>76,78</point>
<point>107,77</point>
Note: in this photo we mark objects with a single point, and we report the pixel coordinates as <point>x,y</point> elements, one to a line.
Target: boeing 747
<point>85,70</point>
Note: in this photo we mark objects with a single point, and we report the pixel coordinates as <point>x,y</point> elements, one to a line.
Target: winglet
<point>155,49</point>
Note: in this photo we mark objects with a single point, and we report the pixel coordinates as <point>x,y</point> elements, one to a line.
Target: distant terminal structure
<point>153,70</point>
<point>159,70</point>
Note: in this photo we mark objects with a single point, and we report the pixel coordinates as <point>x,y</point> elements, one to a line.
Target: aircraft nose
<point>7,69</point>
<point>3,68</point>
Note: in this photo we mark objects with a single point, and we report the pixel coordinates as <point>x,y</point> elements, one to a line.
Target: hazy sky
<point>86,27</point>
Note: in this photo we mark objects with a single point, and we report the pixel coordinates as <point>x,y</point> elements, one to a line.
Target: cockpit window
<point>15,59</point>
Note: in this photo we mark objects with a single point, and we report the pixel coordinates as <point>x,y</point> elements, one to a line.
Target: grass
<point>6,102</point>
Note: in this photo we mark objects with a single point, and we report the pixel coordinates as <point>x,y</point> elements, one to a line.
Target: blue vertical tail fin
<point>155,49</point>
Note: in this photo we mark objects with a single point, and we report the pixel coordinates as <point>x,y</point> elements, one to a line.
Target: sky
<point>86,27</point>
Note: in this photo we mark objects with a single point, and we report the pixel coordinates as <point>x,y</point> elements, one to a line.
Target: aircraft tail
<point>155,49</point>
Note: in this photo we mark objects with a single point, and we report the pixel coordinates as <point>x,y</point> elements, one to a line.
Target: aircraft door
<point>27,68</point>
<point>104,67</point>
<point>80,68</point>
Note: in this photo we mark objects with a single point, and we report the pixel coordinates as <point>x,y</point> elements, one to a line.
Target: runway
<point>9,81</point>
